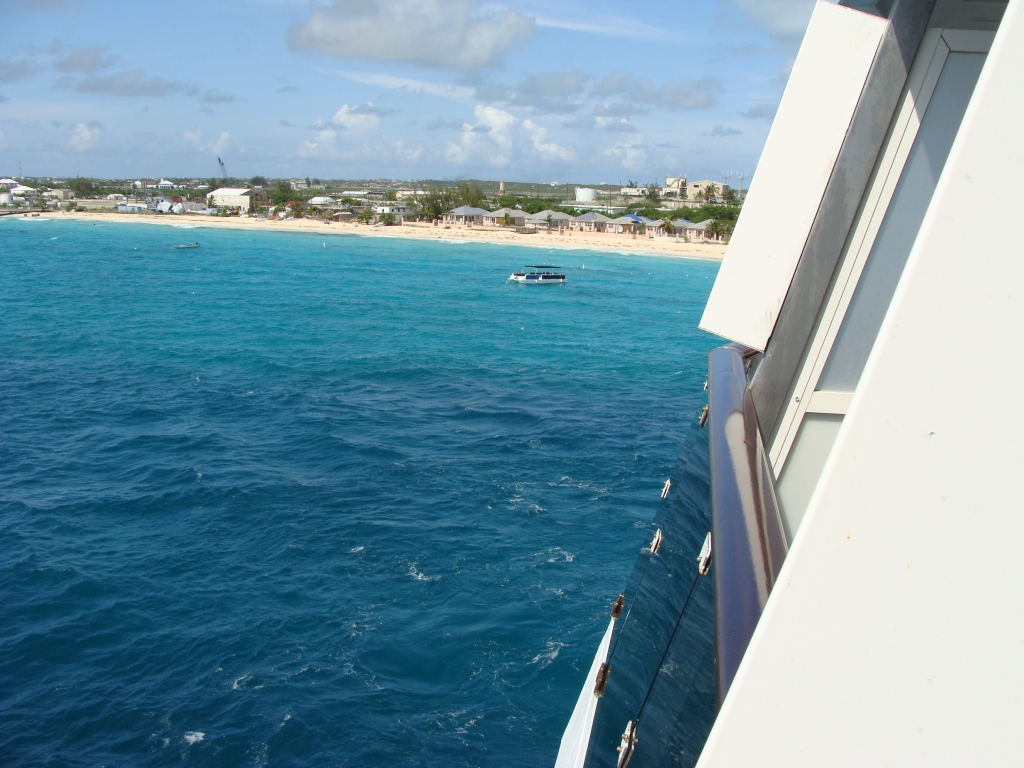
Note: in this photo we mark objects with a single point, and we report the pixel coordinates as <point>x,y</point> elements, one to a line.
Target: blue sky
<point>563,91</point>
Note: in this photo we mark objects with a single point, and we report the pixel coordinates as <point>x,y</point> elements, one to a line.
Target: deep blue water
<point>268,502</point>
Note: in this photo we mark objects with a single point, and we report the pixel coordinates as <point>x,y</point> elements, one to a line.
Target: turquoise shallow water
<point>268,502</point>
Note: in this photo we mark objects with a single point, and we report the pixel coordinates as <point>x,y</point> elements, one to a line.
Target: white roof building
<point>231,197</point>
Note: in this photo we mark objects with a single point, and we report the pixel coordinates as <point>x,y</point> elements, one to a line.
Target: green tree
<point>258,181</point>
<point>387,219</point>
<point>469,194</point>
<point>366,216</point>
<point>282,193</point>
<point>389,195</point>
<point>720,229</point>
<point>436,203</point>
<point>81,186</point>
<point>653,196</point>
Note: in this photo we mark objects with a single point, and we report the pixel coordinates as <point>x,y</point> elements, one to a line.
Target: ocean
<point>288,500</point>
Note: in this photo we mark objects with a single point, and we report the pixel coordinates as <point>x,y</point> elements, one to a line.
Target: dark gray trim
<point>815,271</point>
<point>748,542</point>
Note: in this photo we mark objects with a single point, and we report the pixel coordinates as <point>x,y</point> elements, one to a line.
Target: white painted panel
<point>792,174</point>
<point>830,401</point>
<point>803,469</point>
<point>572,752</point>
<point>894,635</point>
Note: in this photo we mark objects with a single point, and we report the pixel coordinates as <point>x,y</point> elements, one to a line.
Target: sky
<point>566,91</point>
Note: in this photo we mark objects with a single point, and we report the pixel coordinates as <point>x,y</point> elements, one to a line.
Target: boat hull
<point>538,279</point>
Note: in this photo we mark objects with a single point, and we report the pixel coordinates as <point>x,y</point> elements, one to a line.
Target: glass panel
<point>803,466</point>
<point>902,221</point>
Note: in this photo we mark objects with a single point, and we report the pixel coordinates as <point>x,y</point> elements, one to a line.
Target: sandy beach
<point>624,244</point>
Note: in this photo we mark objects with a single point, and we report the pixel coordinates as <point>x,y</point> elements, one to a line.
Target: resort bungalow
<point>590,222</point>
<point>322,201</point>
<point>685,228</point>
<point>505,217</point>
<point>624,225</point>
<point>466,215</point>
<point>549,220</point>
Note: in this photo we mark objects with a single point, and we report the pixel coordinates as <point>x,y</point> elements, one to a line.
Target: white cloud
<point>489,140</point>
<point>547,149</point>
<point>323,145</point>
<point>393,82</point>
<point>411,154</point>
<point>127,84</point>
<point>614,26</point>
<point>14,70</point>
<point>631,153</point>
<point>721,131</point>
<point>195,138</point>
<point>445,34</point>
<point>785,20</point>
<point>358,119</point>
<point>545,93</point>
<point>87,59</point>
<point>765,111</point>
<point>678,94</point>
<point>84,137</point>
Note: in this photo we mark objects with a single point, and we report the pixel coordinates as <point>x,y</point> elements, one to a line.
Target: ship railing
<point>747,536</point>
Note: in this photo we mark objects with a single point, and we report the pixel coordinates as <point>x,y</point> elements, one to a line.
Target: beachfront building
<point>675,186</point>
<point>591,221</point>
<point>512,217</point>
<point>322,201</point>
<point>698,231</point>
<point>548,219</point>
<point>698,189</point>
<point>466,215</point>
<point>400,211</point>
<point>230,198</point>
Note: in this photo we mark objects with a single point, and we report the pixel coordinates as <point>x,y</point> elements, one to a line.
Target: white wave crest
<point>419,576</point>
<point>194,737</point>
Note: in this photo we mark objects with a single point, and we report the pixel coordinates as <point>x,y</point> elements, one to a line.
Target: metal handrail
<point>746,527</point>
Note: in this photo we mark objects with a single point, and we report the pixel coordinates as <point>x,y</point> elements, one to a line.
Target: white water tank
<point>6,198</point>
<point>585,195</point>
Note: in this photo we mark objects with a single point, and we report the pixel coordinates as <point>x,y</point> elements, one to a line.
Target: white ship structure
<point>539,274</point>
<point>857,464</point>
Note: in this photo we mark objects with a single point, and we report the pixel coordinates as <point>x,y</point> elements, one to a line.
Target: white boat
<point>187,245</point>
<point>542,274</point>
<point>861,465</point>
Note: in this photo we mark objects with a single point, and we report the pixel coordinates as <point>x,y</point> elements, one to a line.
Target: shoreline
<point>622,244</point>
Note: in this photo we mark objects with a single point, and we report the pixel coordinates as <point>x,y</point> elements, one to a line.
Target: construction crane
<point>223,170</point>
